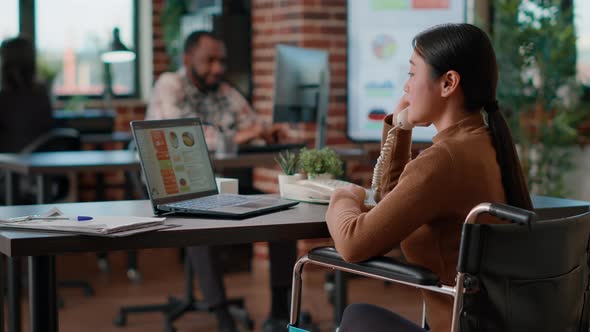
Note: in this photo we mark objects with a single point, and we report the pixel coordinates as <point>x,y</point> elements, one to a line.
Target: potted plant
<point>289,163</point>
<point>323,163</point>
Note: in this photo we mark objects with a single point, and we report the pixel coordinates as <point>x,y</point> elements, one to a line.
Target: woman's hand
<point>358,192</point>
<point>401,105</point>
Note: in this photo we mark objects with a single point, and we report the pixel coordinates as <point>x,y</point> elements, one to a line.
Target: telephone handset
<point>317,190</point>
<point>401,122</point>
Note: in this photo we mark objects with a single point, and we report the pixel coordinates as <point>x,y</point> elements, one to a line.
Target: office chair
<point>175,307</point>
<point>57,187</point>
<point>527,275</point>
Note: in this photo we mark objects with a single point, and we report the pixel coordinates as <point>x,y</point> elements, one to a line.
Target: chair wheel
<point>120,320</point>
<point>250,325</point>
<point>305,317</point>
<point>134,276</point>
<point>305,322</point>
<point>88,291</point>
<point>104,265</point>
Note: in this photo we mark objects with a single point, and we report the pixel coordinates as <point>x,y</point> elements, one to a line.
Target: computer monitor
<point>302,87</point>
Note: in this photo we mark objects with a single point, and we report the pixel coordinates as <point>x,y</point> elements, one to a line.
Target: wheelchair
<point>525,275</point>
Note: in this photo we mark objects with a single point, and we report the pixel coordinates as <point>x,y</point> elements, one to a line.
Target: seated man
<point>198,90</point>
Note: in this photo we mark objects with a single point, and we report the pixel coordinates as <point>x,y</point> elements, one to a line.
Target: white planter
<point>287,179</point>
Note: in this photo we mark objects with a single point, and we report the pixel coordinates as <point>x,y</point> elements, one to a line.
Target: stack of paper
<point>99,225</point>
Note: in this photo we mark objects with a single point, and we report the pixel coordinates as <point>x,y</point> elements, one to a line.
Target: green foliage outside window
<point>171,18</point>
<point>535,43</point>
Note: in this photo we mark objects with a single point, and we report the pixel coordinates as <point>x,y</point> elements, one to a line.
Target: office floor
<point>162,275</point>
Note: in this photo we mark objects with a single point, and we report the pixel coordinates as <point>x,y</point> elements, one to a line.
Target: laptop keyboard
<point>212,202</point>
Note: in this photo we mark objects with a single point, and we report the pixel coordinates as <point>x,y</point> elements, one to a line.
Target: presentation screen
<point>380,34</point>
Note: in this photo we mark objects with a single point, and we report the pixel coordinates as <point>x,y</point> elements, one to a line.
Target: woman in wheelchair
<point>422,203</point>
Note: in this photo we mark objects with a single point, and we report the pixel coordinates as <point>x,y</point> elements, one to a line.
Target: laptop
<point>179,175</point>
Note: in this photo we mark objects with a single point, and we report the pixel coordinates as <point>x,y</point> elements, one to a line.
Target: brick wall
<point>306,23</point>
<point>161,59</point>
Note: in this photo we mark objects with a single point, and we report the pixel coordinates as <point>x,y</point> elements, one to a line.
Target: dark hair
<point>17,56</point>
<point>194,38</point>
<point>468,50</point>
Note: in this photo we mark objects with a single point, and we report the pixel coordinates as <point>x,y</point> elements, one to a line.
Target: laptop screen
<point>175,158</point>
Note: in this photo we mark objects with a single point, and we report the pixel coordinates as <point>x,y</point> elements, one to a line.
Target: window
<point>582,19</point>
<point>71,35</point>
<point>9,19</point>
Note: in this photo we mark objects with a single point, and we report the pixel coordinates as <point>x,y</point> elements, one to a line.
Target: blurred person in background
<point>25,106</point>
<point>199,89</point>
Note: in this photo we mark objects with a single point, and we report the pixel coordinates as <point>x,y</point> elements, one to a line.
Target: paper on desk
<point>99,225</point>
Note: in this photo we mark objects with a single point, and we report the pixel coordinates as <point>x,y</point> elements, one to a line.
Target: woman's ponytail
<point>513,179</point>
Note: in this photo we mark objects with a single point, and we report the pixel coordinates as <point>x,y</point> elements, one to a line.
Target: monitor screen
<point>302,87</point>
<point>380,34</point>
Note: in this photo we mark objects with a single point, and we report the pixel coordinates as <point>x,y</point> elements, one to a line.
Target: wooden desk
<point>303,221</point>
<point>40,164</point>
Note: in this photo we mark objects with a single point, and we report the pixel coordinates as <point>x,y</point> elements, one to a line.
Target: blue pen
<point>36,217</point>
<point>78,218</point>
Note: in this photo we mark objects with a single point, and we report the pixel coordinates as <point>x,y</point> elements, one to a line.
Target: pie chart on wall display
<point>384,47</point>
<point>379,47</point>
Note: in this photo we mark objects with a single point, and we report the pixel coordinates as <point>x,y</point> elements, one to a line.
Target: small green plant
<point>76,103</point>
<point>314,162</point>
<point>289,162</point>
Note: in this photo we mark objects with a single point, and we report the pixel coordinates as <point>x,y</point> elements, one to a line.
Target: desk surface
<point>63,162</point>
<point>299,222</point>
<point>125,160</point>
<point>303,221</point>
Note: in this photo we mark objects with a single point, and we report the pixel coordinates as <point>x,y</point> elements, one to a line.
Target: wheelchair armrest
<point>385,267</point>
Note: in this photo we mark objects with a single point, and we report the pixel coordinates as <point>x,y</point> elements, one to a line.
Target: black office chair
<point>524,276</point>
<point>57,187</point>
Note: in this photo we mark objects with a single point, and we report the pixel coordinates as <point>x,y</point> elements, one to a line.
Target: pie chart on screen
<point>384,47</point>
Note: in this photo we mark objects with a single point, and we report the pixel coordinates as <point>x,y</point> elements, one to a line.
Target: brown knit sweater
<point>424,203</point>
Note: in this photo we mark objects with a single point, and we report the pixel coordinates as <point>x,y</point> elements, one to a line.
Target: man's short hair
<point>194,38</point>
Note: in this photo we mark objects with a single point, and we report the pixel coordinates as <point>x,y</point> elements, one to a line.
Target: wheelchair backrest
<point>527,279</point>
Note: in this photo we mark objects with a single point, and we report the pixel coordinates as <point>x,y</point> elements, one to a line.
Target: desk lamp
<point>116,53</point>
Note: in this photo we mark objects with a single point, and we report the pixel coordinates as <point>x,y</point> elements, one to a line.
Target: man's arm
<point>249,125</point>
